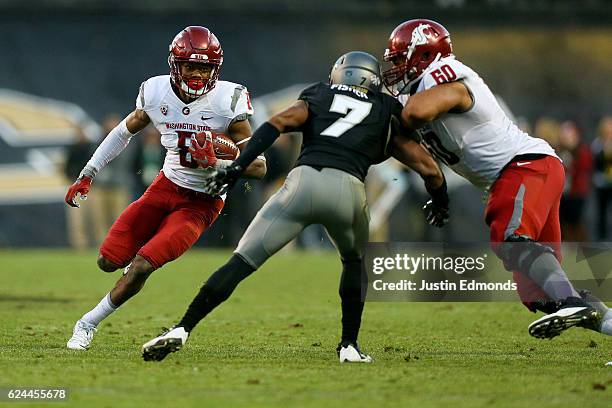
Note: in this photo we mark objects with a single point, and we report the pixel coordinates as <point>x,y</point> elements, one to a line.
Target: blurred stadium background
<point>71,69</point>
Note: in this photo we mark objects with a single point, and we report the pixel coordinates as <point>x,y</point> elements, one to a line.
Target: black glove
<point>222,179</point>
<point>436,214</point>
<point>436,209</point>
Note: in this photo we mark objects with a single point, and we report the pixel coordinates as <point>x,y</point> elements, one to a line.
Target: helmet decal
<point>419,37</point>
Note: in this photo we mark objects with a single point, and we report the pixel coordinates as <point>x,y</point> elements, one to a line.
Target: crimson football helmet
<point>413,46</point>
<point>195,44</point>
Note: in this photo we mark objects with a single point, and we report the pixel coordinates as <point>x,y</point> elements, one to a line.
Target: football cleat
<point>349,352</point>
<point>168,342</point>
<point>82,335</point>
<point>554,324</point>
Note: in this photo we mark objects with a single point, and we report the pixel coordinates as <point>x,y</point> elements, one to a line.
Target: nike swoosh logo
<point>203,118</point>
<point>522,163</point>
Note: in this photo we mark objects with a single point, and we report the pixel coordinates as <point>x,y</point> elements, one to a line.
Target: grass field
<point>272,343</point>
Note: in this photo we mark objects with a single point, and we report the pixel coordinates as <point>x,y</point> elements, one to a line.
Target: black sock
<point>352,305</point>
<point>216,290</point>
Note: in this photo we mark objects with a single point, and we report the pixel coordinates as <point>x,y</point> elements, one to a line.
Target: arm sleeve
<point>261,140</point>
<point>111,146</point>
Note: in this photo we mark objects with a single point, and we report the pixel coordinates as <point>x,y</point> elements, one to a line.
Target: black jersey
<point>346,129</point>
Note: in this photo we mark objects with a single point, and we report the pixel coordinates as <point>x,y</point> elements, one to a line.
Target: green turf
<point>272,343</point>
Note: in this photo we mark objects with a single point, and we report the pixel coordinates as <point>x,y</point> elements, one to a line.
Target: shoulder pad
<point>310,91</point>
<point>230,99</point>
<point>443,71</point>
<point>152,91</point>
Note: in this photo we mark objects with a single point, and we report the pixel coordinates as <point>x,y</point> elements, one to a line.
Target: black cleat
<point>574,312</point>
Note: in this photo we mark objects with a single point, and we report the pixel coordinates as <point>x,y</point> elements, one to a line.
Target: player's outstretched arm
<point>287,120</point>
<point>111,146</point>
<point>427,106</point>
<point>413,155</point>
<point>241,131</point>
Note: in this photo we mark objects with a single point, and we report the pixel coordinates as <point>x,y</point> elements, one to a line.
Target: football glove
<point>80,187</point>
<point>203,155</point>
<point>222,179</point>
<point>436,214</point>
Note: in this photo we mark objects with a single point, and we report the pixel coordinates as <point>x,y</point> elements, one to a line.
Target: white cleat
<point>168,342</point>
<point>350,353</point>
<point>82,335</point>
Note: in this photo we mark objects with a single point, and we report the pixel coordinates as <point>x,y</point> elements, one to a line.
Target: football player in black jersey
<point>348,125</point>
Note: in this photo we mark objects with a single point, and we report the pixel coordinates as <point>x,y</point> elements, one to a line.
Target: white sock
<point>100,312</point>
<point>606,323</point>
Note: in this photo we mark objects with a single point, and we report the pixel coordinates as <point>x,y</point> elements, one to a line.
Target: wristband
<point>87,171</point>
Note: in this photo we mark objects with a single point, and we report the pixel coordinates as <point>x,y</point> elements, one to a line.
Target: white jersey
<point>177,121</point>
<point>477,143</point>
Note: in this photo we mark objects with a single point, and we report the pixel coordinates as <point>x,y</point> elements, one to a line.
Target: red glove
<point>81,187</point>
<point>204,155</point>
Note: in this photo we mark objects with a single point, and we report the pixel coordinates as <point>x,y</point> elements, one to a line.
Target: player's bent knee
<point>106,265</point>
<point>140,268</point>
<point>519,252</point>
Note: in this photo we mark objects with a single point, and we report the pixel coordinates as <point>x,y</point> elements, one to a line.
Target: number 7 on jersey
<point>342,104</point>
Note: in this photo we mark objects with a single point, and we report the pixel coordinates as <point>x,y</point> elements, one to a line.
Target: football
<point>224,146</point>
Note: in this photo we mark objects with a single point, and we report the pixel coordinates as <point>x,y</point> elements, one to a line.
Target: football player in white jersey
<point>460,121</point>
<point>174,211</point>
